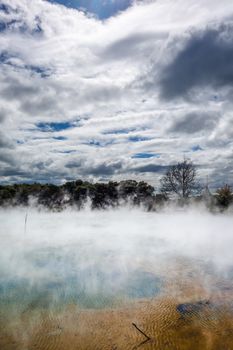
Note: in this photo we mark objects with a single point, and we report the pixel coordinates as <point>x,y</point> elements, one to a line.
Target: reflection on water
<point>75,282</point>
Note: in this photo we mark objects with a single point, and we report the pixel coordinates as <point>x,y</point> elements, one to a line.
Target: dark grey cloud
<point>3,114</point>
<point>15,175</point>
<point>16,90</point>
<point>7,157</point>
<point>34,171</point>
<point>73,164</point>
<point>11,171</point>
<point>150,168</point>
<point>5,141</point>
<point>195,122</point>
<point>42,165</point>
<point>100,94</point>
<point>32,99</point>
<point>39,105</point>
<point>206,60</point>
<point>222,175</point>
<point>103,169</point>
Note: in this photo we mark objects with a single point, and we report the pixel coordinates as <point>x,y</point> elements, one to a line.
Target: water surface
<point>82,279</point>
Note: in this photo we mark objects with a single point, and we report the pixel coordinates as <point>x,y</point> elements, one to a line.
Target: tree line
<point>178,184</point>
<point>77,194</point>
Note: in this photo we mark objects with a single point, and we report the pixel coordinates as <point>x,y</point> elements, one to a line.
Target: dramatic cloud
<point>206,60</point>
<point>117,91</point>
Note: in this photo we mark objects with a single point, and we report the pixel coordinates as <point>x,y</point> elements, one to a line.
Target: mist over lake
<point>106,261</point>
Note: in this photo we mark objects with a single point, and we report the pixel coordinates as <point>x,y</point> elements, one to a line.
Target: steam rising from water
<point>78,280</point>
<point>98,258</point>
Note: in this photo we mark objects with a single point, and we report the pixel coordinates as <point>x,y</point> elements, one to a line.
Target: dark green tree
<point>224,196</point>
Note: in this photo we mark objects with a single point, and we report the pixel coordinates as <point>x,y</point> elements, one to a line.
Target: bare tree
<point>180,179</point>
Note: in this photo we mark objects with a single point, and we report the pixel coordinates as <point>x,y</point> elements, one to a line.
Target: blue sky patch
<point>138,138</point>
<point>196,148</point>
<point>119,131</point>
<point>43,72</point>
<point>60,138</point>
<point>102,9</point>
<point>54,126</point>
<point>146,155</point>
<point>65,151</point>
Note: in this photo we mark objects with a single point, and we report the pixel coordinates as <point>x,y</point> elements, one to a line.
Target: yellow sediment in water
<point>112,329</point>
<point>209,327</point>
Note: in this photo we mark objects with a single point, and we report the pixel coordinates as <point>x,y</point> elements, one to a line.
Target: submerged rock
<point>191,308</point>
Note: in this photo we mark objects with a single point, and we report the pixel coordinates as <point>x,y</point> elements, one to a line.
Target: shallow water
<point>81,280</point>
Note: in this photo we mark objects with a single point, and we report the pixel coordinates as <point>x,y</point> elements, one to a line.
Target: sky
<point>111,90</point>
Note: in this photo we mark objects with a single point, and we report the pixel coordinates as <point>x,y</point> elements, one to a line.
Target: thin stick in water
<point>148,338</point>
<point>25,223</point>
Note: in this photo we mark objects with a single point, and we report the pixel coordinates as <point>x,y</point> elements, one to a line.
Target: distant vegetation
<point>78,194</point>
<point>178,185</point>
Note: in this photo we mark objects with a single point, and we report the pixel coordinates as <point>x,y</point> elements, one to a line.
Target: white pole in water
<point>25,223</point>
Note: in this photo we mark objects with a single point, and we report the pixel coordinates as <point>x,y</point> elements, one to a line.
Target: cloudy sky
<point>115,89</point>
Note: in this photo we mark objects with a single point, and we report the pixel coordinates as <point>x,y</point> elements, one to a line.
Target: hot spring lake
<point>83,280</point>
